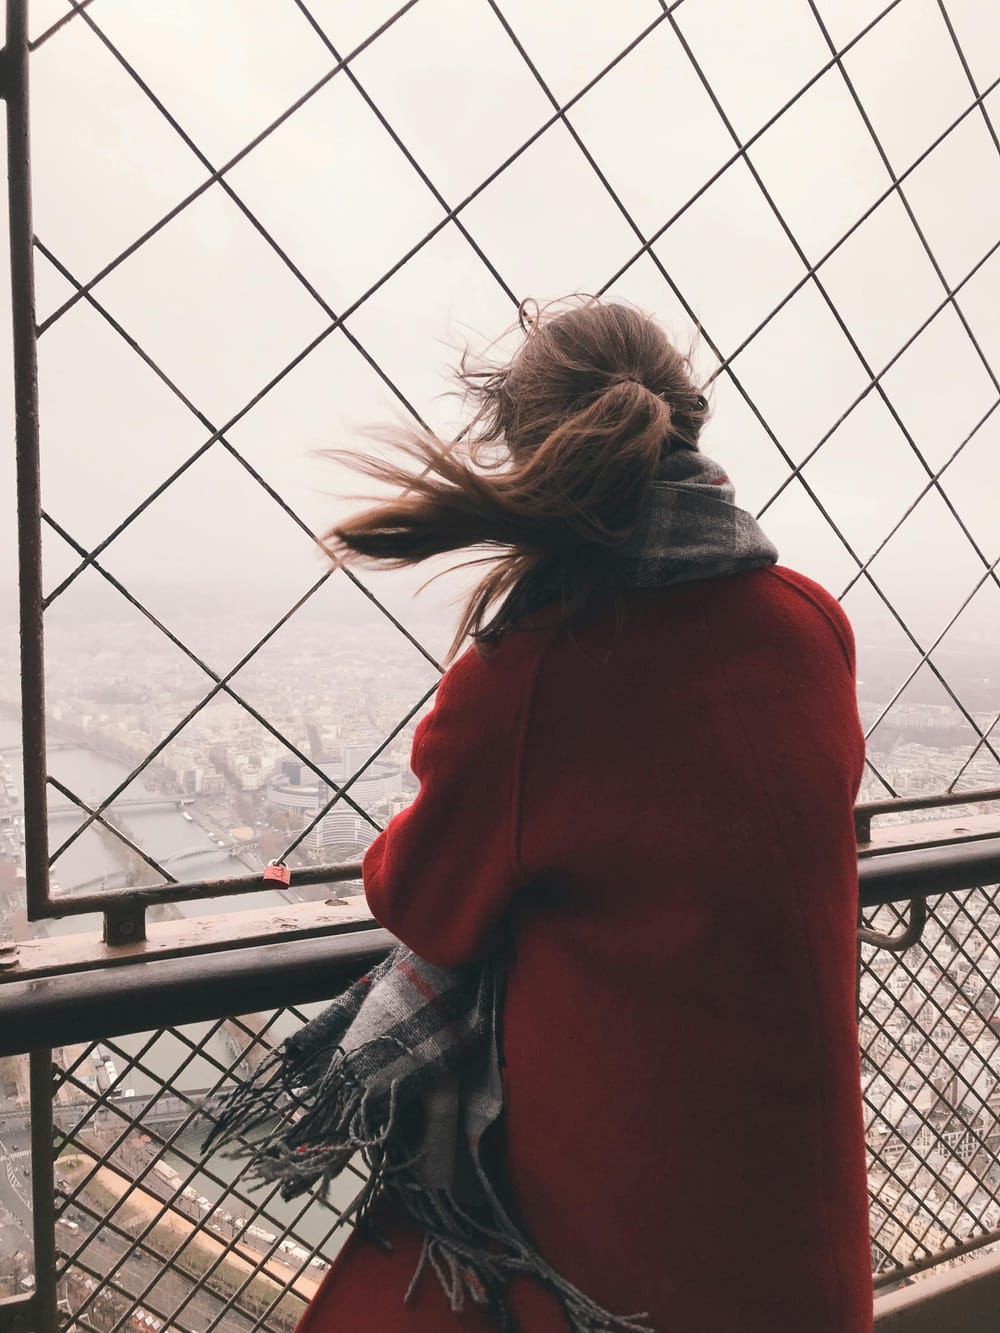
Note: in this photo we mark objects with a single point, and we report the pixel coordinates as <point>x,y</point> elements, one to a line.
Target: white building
<point>297,789</point>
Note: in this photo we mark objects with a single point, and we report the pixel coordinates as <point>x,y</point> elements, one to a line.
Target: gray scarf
<point>690,527</point>
<point>403,1069</point>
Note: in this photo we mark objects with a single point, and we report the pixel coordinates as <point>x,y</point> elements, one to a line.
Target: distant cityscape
<point>333,702</point>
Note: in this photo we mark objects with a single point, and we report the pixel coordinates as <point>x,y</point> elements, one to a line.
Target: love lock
<point>276,872</point>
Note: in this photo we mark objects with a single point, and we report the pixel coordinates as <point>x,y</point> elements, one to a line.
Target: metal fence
<point>666,25</point>
<point>928,1030</point>
<point>144,1223</point>
<point>929,1033</point>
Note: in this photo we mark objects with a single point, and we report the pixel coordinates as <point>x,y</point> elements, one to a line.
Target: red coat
<point>664,844</point>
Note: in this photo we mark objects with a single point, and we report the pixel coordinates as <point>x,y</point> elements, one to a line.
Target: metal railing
<point>929,1031</point>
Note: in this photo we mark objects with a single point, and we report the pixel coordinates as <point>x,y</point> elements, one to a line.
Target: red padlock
<point>277,872</point>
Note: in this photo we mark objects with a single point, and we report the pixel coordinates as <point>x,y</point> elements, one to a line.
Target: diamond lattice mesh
<point>260,227</point>
<point>929,1030</point>
<point>145,1226</point>
<point>280,253</point>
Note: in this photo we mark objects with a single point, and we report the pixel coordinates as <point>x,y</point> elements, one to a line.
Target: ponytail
<point>583,437</point>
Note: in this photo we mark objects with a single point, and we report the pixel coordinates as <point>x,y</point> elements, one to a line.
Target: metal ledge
<point>930,833</point>
<point>109,1002</point>
<point>138,992</point>
<point>965,1299</point>
<point>85,951</point>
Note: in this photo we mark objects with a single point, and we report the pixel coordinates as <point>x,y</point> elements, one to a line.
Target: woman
<point>637,786</point>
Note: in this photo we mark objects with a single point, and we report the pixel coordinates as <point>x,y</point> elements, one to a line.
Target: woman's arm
<point>442,873</point>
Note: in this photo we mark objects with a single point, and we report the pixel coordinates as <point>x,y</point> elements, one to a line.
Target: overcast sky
<point>221,313</point>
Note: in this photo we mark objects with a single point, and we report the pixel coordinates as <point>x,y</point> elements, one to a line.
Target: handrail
<point>115,1000</point>
<point>143,994</point>
<point>866,811</point>
<point>923,872</point>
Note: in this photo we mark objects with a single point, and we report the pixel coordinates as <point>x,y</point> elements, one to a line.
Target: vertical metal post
<point>29,502</point>
<point>43,1189</point>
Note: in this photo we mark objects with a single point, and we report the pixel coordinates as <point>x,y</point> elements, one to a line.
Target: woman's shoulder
<point>807,591</point>
<point>497,671</point>
<point>482,703</point>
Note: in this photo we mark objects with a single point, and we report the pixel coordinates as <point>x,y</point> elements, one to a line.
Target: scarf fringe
<point>333,1119</point>
<point>305,1086</point>
<point>457,1247</point>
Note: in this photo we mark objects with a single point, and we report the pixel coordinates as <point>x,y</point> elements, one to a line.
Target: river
<point>159,832</point>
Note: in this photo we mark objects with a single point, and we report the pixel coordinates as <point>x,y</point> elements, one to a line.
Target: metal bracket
<point>910,936</point>
<point>125,922</point>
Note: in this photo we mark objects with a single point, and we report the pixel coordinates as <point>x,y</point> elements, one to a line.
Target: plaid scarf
<point>691,528</point>
<point>402,1068</point>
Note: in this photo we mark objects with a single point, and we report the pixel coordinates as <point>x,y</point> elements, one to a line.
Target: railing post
<point>43,1189</point>
<point>125,921</point>
<point>29,502</point>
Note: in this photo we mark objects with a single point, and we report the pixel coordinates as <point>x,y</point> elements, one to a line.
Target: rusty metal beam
<point>109,1002</point>
<point>29,496</point>
<point>79,904</point>
<point>868,810</point>
<point>137,993</point>
<point>83,951</point>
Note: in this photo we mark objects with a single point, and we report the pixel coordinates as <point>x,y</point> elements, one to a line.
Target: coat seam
<point>527,711</point>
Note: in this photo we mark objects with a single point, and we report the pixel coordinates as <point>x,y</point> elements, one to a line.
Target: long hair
<point>549,476</point>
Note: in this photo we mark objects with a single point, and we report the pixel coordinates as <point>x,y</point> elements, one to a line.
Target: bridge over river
<point>155,1109</point>
<point>247,852</point>
<point>165,1108</point>
<point>129,803</point>
<point>49,748</point>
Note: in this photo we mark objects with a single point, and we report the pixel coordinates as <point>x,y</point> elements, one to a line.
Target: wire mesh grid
<point>147,1229</point>
<point>929,1029</point>
<point>927,1038</point>
<point>813,274</point>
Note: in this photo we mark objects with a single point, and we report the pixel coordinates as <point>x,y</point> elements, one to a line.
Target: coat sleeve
<point>841,626</point>
<point>442,874</point>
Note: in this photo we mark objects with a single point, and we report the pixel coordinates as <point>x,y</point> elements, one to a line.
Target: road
<point>15,1190</point>
<point>104,1251</point>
